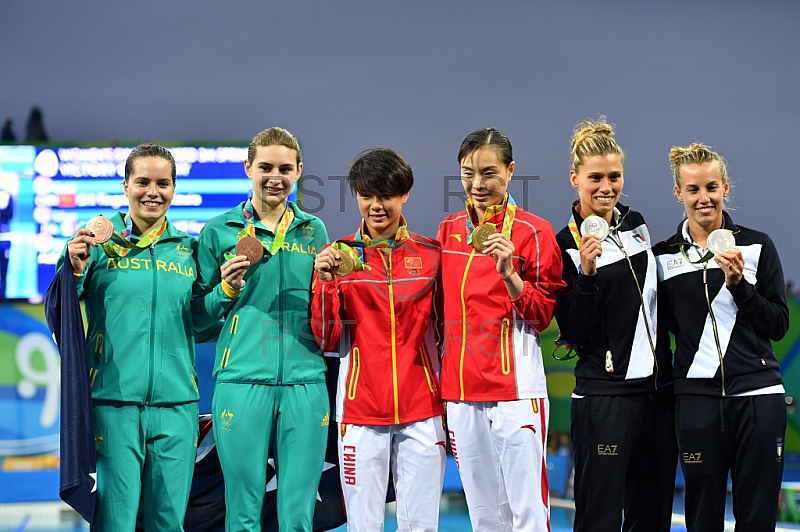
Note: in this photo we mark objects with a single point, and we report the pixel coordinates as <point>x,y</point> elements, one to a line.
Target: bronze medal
<point>346,264</point>
<point>251,248</point>
<point>101,227</point>
<point>480,234</point>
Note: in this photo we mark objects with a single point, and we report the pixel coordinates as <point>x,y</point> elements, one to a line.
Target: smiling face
<point>150,190</point>
<point>599,183</point>
<point>703,191</point>
<point>381,213</point>
<point>274,171</point>
<point>485,178</point>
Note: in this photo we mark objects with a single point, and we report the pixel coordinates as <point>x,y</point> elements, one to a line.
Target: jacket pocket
<point>426,365</point>
<point>505,346</point>
<point>355,369</point>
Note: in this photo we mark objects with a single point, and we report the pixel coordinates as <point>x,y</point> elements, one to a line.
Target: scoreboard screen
<point>48,192</point>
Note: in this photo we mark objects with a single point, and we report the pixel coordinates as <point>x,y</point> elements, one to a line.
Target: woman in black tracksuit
<point>730,410</point>
<point>622,408</point>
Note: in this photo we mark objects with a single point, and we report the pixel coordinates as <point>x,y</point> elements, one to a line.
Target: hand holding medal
<point>722,244</point>
<point>593,230</point>
<point>326,263</point>
<point>242,263</point>
<point>101,229</point>
<point>489,241</point>
<point>97,231</point>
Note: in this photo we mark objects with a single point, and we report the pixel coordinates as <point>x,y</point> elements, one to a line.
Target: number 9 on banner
<point>49,377</point>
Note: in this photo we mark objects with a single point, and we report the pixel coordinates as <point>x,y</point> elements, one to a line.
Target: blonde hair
<point>274,136</point>
<point>696,153</point>
<point>593,137</point>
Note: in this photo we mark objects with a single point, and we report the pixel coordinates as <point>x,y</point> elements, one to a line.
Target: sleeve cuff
<point>230,291</point>
<point>587,283</point>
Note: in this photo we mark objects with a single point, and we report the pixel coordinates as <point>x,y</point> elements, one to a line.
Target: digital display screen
<point>47,193</point>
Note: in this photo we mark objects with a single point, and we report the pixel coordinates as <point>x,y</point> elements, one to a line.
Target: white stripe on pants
<point>416,453</point>
<point>500,449</point>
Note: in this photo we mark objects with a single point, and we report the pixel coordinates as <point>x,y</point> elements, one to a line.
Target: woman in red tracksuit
<point>501,268</point>
<point>372,302</point>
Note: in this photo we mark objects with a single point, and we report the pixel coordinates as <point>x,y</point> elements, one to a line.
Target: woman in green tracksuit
<point>270,381</point>
<point>137,291</point>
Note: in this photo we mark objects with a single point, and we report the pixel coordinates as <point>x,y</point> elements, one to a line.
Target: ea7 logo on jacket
<point>675,263</point>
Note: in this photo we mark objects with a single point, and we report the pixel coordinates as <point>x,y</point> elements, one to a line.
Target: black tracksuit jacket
<point>722,335</point>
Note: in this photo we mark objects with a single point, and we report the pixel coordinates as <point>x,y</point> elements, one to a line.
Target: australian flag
<point>206,509</point>
<point>78,469</point>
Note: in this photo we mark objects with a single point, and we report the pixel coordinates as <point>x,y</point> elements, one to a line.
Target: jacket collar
<point>620,212</point>
<point>170,232</point>
<point>235,216</point>
<point>681,235</point>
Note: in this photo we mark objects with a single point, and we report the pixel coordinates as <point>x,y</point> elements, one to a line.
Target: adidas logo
<point>326,420</point>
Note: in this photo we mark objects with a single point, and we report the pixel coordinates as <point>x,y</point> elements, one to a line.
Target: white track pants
<point>500,450</point>
<point>415,452</point>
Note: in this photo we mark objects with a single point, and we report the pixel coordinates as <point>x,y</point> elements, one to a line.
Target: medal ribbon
<point>280,232</point>
<point>704,258</point>
<point>708,256</point>
<point>119,245</point>
<point>361,242</point>
<point>508,204</point>
<point>346,246</point>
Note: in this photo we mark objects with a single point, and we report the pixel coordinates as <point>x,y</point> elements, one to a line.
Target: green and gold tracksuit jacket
<point>138,308</point>
<point>266,337</point>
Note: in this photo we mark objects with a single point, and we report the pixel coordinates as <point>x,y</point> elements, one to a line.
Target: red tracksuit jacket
<point>491,349</point>
<point>380,322</point>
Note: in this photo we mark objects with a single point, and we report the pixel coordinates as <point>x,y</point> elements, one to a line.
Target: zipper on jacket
<point>281,306</point>
<point>150,361</point>
<point>714,326</point>
<point>387,262</point>
<point>644,311</point>
<point>463,326</point>
<point>355,369</point>
<point>505,348</point>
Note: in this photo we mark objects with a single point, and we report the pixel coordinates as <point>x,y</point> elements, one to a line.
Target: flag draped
<point>78,469</point>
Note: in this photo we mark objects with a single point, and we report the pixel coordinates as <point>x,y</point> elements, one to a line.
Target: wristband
<point>230,291</point>
<point>509,275</point>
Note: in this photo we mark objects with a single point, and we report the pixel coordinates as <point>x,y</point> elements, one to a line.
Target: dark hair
<point>149,150</point>
<point>380,172</point>
<point>487,136</point>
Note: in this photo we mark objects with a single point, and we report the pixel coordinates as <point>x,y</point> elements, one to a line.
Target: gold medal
<point>346,264</point>
<point>480,234</point>
<point>102,229</point>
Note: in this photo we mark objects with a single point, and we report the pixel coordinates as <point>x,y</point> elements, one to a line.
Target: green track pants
<point>144,453</point>
<point>247,418</point>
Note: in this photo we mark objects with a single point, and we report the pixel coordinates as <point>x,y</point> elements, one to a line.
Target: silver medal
<point>594,225</point>
<point>720,241</point>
